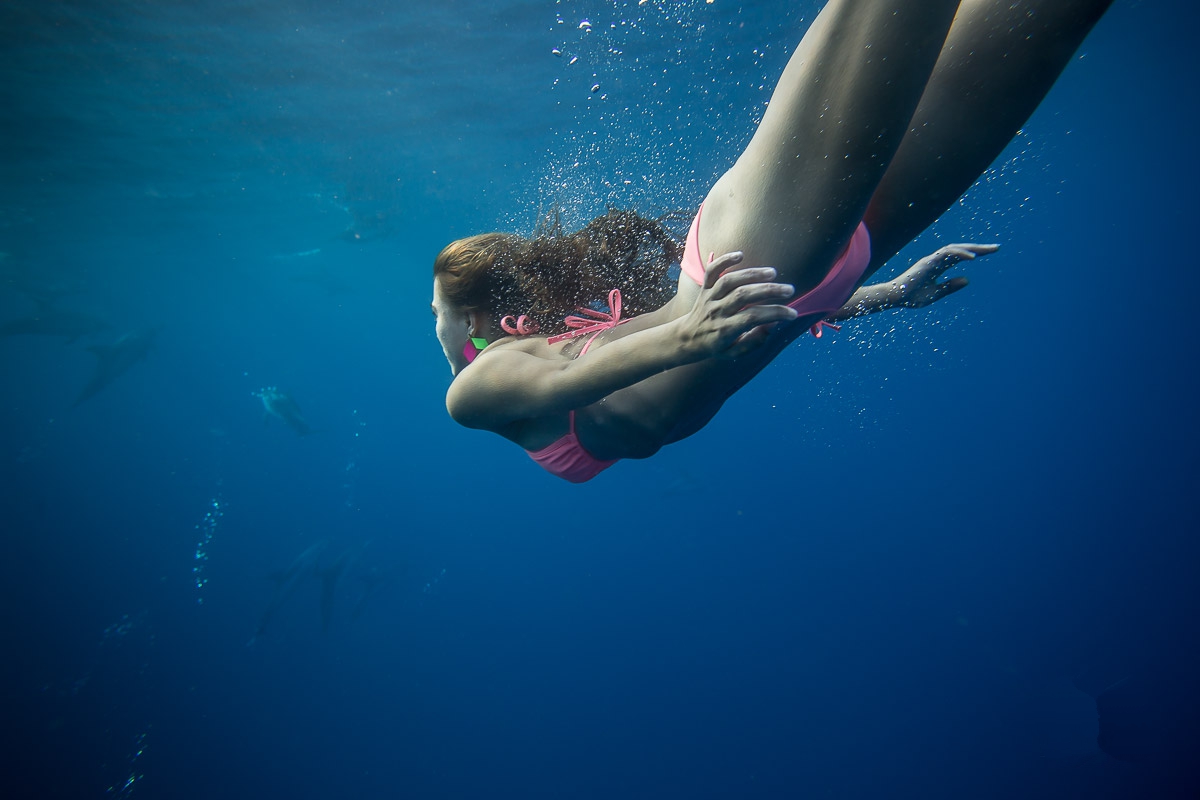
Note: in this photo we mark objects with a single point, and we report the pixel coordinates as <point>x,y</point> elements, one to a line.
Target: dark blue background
<point>892,567</point>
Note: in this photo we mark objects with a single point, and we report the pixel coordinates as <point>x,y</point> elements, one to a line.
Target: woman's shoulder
<point>505,384</point>
<point>534,345</point>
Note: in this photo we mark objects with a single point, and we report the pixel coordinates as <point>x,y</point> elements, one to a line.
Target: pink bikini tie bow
<point>594,321</point>
<point>815,330</point>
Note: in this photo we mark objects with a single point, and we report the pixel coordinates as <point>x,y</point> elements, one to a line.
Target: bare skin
<point>529,385</point>
<point>887,111</point>
<point>1013,51</point>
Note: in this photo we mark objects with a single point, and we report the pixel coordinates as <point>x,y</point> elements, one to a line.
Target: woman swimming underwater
<point>885,114</point>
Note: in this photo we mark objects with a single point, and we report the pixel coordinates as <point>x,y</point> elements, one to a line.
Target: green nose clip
<point>474,347</point>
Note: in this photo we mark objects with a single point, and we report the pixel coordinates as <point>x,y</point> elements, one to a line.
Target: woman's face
<point>453,328</point>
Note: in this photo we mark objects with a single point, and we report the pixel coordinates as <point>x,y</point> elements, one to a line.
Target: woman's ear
<point>476,323</point>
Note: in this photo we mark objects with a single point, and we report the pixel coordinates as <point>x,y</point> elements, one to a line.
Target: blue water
<point>895,565</point>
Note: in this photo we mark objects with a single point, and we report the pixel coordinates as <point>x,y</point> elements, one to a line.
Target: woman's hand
<point>736,309</point>
<point>918,286</point>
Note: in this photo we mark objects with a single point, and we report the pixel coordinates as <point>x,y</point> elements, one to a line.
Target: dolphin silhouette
<point>374,579</point>
<point>53,322</point>
<point>115,359</point>
<point>39,288</point>
<point>280,405</point>
<point>325,279</point>
<point>332,575</point>
<point>286,580</point>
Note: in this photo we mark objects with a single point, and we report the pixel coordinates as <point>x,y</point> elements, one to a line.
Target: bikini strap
<point>592,321</point>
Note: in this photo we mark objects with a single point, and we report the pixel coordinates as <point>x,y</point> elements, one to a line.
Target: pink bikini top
<point>567,459</point>
<point>566,456</point>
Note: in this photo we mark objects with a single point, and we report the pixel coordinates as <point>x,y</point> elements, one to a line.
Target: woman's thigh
<point>1000,60</point>
<point>840,110</point>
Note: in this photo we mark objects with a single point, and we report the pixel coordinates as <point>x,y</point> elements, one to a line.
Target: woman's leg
<point>839,112</point>
<point>999,61</point>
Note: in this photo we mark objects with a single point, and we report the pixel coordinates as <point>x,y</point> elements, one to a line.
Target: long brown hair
<point>553,273</point>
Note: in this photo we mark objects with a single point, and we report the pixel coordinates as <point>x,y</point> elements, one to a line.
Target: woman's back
<point>638,420</point>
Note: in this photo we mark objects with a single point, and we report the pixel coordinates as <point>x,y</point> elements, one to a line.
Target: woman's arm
<point>509,384</point>
<point>917,286</point>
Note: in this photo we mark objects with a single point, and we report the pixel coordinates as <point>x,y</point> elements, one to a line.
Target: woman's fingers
<point>949,287</point>
<point>953,253</point>
<point>754,316</point>
<point>757,328</point>
<point>934,265</point>
<point>755,293</point>
<point>749,340</point>
<point>736,282</point>
<point>718,265</point>
<point>970,250</point>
